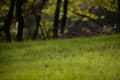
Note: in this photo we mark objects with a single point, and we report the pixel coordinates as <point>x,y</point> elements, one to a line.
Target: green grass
<point>95,58</point>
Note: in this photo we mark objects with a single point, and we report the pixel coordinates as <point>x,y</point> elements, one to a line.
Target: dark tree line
<point>19,4</point>
<point>58,24</point>
<point>56,18</point>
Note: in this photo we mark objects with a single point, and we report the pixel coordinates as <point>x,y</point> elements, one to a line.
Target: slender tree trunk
<point>64,17</point>
<point>8,21</point>
<point>118,18</point>
<point>42,32</point>
<point>20,19</point>
<point>38,19</point>
<point>56,19</point>
<point>37,27</point>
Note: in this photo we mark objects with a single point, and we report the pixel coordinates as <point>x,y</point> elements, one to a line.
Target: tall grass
<point>95,58</point>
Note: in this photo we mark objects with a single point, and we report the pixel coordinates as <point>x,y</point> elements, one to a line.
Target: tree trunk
<point>118,18</point>
<point>20,19</point>
<point>64,17</point>
<point>8,21</point>
<point>37,27</point>
<point>42,32</point>
<point>56,19</point>
<point>38,19</point>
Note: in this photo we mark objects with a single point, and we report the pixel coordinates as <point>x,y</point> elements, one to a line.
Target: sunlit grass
<point>96,58</point>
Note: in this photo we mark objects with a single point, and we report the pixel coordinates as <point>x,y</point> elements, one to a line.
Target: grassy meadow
<point>92,58</point>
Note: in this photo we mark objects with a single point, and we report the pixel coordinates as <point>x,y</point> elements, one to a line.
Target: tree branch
<point>83,15</point>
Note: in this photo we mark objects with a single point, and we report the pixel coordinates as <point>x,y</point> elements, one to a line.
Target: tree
<point>85,16</point>
<point>64,17</point>
<point>38,19</point>
<point>8,20</point>
<point>20,19</point>
<point>118,18</point>
<point>56,19</point>
<point>38,14</point>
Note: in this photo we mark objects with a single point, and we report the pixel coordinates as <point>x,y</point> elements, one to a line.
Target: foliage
<point>96,58</point>
<point>94,10</point>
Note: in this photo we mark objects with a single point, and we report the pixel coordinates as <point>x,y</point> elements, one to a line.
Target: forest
<point>45,19</point>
